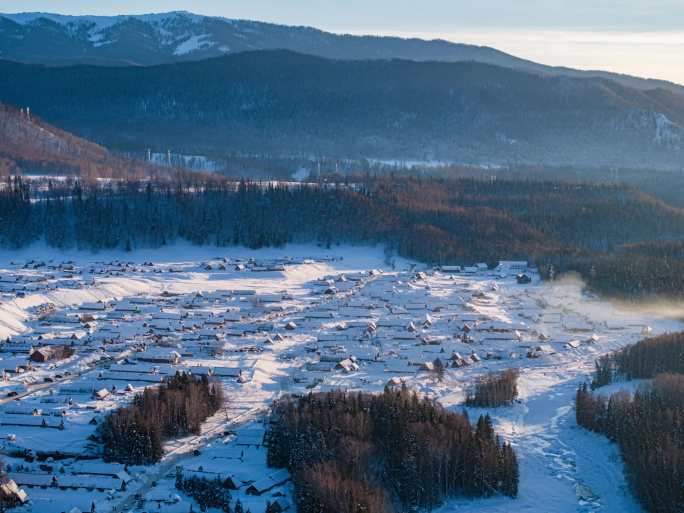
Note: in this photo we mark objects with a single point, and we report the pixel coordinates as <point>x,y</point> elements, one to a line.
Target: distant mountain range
<point>285,103</point>
<point>151,39</point>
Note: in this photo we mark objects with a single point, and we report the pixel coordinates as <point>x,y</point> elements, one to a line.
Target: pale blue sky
<point>641,37</point>
<point>416,15</point>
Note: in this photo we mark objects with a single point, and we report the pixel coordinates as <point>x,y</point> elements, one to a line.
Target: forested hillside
<point>648,425</point>
<point>29,145</point>
<point>283,103</point>
<point>648,430</point>
<point>560,226</point>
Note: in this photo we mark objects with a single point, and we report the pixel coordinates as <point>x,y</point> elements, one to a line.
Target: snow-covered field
<point>279,321</point>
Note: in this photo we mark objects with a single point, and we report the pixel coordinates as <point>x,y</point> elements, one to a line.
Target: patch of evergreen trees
<point>495,389</point>
<point>376,453</point>
<point>209,493</point>
<point>629,275</point>
<point>649,429</point>
<point>134,434</point>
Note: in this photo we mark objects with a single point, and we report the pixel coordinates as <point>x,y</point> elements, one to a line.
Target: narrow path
<point>175,456</point>
<point>562,466</point>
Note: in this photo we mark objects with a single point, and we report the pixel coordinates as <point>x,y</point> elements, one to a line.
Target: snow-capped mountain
<point>157,38</point>
<point>142,40</point>
<point>440,100</point>
<point>150,39</point>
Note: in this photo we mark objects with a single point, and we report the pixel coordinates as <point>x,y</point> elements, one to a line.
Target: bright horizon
<point>633,37</point>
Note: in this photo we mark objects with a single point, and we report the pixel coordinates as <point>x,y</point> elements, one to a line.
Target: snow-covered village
<point>268,256</point>
<point>83,336</point>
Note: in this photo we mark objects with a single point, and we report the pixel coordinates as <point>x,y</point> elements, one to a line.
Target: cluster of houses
<point>75,364</point>
<point>40,276</point>
<point>401,327</point>
<point>397,326</point>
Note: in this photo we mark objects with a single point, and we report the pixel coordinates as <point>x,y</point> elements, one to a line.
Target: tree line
<point>643,360</point>
<point>377,453</point>
<point>626,276</point>
<point>649,429</point>
<point>134,434</point>
<point>559,226</point>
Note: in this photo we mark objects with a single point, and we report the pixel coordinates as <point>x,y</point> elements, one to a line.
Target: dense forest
<point>285,103</point>
<point>559,226</point>
<point>134,434</point>
<point>666,185</point>
<point>643,360</point>
<point>649,429</point>
<point>492,390</point>
<point>360,452</point>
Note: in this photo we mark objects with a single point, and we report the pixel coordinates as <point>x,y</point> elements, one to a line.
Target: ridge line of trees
<point>559,226</point>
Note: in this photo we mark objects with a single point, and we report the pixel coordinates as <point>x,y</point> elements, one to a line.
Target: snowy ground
<point>291,320</point>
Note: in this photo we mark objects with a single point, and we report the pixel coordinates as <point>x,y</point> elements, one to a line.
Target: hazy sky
<point>640,37</point>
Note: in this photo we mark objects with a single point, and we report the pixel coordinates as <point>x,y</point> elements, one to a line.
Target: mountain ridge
<point>150,39</point>
<point>285,103</point>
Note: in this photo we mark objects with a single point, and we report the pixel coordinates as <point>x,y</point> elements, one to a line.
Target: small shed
<point>48,353</point>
